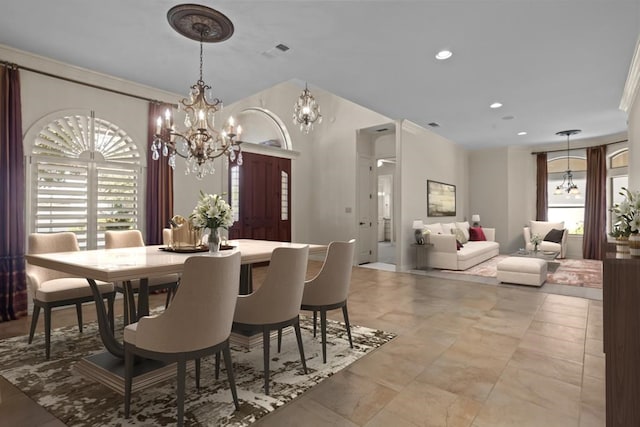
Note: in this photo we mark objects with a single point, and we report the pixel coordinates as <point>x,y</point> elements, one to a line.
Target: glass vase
<point>214,240</point>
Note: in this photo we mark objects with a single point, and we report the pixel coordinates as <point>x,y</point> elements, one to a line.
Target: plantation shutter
<point>85,179</point>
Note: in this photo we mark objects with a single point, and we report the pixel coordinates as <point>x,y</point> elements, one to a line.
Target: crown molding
<point>630,91</point>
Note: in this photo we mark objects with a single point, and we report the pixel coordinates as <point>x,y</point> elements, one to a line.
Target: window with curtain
<point>85,177</point>
<point>565,207</point>
<point>618,174</point>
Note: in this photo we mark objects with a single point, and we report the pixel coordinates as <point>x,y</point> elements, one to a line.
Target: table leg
<point>143,298</point>
<point>246,280</point>
<point>111,344</point>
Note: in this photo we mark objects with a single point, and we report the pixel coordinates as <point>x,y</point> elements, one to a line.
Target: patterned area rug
<point>76,401</point>
<point>574,272</point>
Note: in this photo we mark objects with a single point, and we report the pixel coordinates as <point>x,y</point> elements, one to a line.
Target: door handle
<point>362,223</point>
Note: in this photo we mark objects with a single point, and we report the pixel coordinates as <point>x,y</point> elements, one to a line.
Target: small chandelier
<point>306,111</point>
<point>201,141</point>
<point>567,185</point>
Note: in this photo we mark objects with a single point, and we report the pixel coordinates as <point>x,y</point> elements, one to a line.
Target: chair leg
<point>128,380</point>
<point>198,374</point>
<point>232,383</point>
<point>79,314</point>
<point>315,320</point>
<point>182,375</point>
<point>217,364</point>
<point>265,350</point>
<point>168,300</point>
<point>34,321</point>
<point>345,314</point>
<point>47,331</point>
<point>323,328</point>
<point>279,339</point>
<point>125,307</point>
<point>296,326</point>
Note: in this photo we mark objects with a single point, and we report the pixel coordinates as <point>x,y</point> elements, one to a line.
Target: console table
<point>621,317</point>
<point>422,255</point>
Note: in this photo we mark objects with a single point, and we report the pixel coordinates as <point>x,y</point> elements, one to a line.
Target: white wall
<point>424,155</point>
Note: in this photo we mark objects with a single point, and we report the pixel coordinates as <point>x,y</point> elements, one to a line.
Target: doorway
<point>386,236</point>
<point>374,195</point>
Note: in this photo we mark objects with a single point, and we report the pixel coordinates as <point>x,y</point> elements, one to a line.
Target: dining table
<point>142,263</point>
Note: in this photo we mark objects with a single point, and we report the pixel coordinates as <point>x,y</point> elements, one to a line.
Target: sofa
<point>542,229</point>
<point>444,253</point>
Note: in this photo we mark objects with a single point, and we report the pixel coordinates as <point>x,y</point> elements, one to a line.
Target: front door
<point>260,192</point>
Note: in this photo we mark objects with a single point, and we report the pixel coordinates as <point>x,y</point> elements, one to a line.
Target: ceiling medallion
<point>200,23</point>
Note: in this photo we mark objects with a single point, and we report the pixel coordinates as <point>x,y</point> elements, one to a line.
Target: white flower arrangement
<point>536,239</point>
<point>426,232</point>
<point>211,212</point>
<point>626,214</point>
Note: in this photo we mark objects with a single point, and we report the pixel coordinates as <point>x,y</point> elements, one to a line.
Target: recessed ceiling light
<point>444,54</point>
<point>521,133</point>
<point>495,105</point>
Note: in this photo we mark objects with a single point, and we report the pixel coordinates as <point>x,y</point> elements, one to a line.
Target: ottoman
<point>522,271</point>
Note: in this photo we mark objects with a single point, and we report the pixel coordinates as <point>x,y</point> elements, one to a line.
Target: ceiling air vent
<point>282,47</point>
<point>434,124</point>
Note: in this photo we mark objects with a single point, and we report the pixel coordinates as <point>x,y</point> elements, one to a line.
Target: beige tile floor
<point>467,354</point>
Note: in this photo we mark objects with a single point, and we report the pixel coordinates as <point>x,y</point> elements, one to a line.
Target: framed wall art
<point>441,199</point>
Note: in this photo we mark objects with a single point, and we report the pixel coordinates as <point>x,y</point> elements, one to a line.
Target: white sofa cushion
<point>435,228</point>
<point>473,249</point>
<point>448,226</point>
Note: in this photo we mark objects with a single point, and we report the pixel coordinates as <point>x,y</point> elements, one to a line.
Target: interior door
<point>366,211</point>
<point>262,191</point>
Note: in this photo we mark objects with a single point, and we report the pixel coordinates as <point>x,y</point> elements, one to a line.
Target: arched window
<point>85,177</point>
<point>618,174</point>
<point>566,207</point>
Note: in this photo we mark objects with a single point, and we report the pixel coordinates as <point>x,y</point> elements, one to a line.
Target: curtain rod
<point>577,148</point>
<point>67,79</point>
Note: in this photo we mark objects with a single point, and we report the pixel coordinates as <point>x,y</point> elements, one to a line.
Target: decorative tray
<point>193,250</point>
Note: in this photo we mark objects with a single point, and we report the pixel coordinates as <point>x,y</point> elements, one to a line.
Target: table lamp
<point>418,226</point>
<point>476,220</point>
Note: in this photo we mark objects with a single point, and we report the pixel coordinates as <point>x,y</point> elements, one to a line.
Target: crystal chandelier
<point>567,185</point>
<point>306,111</point>
<point>200,143</point>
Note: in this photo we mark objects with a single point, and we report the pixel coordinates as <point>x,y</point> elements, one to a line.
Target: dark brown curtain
<point>541,187</point>
<point>595,204</point>
<point>13,285</point>
<point>159,184</point>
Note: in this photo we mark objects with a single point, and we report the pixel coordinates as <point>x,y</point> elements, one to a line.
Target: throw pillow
<point>459,235</point>
<point>464,226</point>
<point>458,245</point>
<point>554,236</point>
<point>476,234</point>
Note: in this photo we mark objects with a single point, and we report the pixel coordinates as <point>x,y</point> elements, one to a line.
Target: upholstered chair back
<point>39,243</point>
<point>123,239</point>
<point>201,313</point>
<point>331,285</point>
<point>280,295</point>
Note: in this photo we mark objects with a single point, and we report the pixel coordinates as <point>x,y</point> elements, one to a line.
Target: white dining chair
<point>49,288</point>
<point>196,324</point>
